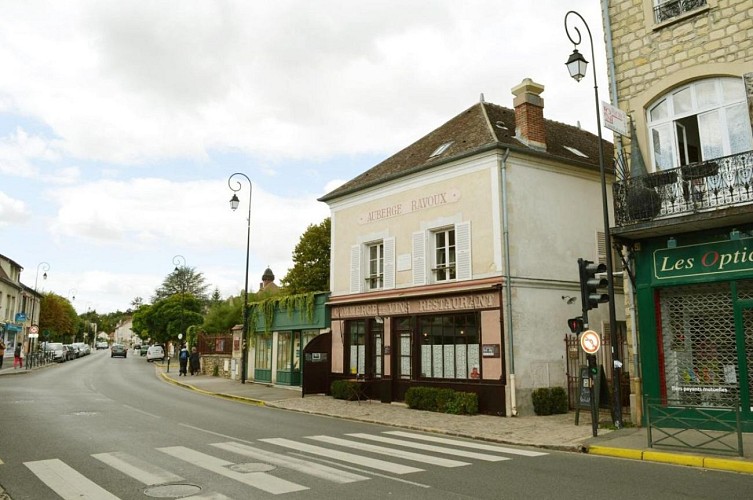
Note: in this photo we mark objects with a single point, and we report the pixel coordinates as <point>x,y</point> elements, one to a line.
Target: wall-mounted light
<point>671,242</point>
<point>379,319</point>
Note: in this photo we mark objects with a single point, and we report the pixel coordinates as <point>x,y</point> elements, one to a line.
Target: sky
<point>121,122</point>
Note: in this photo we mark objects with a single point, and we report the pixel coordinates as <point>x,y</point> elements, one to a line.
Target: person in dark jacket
<point>194,362</point>
<point>183,358</point>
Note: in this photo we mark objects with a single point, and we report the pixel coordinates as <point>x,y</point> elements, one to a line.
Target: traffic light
<point>576,325</point>
<point>593,368</point>
<point>590,284</point>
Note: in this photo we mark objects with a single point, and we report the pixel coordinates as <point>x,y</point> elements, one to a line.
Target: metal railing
<point>672,424</point>
<point>719,183</point>
<point>668,10</point>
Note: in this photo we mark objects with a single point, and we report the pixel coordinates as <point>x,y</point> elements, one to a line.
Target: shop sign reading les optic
<point>732,256</point>
<point>412,205</point>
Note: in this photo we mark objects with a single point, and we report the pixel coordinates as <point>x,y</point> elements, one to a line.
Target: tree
<point>224,315</point>
<point>164,320</point>
<point>183,280</point>
<point>311,258</point>
<point>58,320</point>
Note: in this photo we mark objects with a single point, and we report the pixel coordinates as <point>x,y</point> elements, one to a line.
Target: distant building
<point>19,305</point>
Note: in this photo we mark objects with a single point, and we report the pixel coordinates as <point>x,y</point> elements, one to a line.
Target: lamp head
<point>234,202</point>
<point>44,276</point>
<point>577,65</point>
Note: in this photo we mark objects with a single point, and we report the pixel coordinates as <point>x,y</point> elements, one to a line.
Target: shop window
<point>372,264</point>
<point>404,328</point>
<point>701,121</point>
<point>449,346</point>
<point>447,255</point>
<point>284,350</point>
<point>669,9</point>
<point>377,338</point>
<point>699,345</point>
<point>357,347</point>
<point>263,352</point>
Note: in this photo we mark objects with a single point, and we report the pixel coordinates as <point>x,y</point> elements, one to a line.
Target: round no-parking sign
<point>590,342</point>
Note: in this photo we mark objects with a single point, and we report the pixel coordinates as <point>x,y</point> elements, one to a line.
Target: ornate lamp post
<point>45,267</point>
<point>234,202</point>
<point>576,65</point>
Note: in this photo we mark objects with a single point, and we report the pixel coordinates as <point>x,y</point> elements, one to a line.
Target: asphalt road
<point>104,428</point>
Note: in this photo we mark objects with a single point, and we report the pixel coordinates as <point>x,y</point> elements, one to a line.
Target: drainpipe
<point>512,411</point>
<point>610,66</point>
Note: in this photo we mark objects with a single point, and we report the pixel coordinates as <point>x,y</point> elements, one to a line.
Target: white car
<point>155,352</point>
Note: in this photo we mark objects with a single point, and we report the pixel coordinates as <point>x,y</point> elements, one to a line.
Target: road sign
<point>33,335</point>
<point>34,329</point>
<point>590,342</point>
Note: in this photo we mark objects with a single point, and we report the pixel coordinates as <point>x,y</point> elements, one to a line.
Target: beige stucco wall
<point>652,59</point>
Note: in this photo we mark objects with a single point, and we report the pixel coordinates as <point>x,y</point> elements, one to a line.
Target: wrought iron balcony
<point>673,8</point>
<point>699,187</point>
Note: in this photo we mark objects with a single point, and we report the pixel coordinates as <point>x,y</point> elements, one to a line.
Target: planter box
<point>699,170</point>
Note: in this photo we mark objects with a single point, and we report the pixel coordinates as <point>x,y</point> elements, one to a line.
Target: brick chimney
<point>529,114</point>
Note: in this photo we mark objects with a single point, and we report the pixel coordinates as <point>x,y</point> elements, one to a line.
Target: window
<point>444,255</point>
<point>667,9</point>
<point>377,347</point>
<point>375,276</point>
<point>701,121</point>
<point>404,328</point>
<point>372,264</point>
<point>449,346</point>
<point>284,351</point>
<point>357,342</point>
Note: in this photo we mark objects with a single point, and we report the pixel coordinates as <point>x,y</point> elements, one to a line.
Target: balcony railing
<point>709,185</point>
<point>668,10</point>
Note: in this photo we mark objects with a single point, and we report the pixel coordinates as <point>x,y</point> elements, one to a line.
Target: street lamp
<point>576,65</point>
<point>45,267</point>
<point>234,202</point>
<point>180,262</point>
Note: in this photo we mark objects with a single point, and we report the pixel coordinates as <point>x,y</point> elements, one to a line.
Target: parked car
<point>155,352</point>
<point>102,345</point>
<point>118,350</point>
<point>83,348</point>
<point>71,352</point>
<point>144,349</point>
<point>56,350</point>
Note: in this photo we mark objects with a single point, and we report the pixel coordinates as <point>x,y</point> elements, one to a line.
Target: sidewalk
<point>557,432</point>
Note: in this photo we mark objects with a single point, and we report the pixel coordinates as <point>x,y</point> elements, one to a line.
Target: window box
<point>699,170</point>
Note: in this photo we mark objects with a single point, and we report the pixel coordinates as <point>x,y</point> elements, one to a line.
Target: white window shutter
<point>355,269</point>
<point>419,258</point>
<point>463,251</point>
<point>389,263</point>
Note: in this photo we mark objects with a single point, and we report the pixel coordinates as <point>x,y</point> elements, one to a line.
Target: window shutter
<point>419,258</point>
<point>389,263</point>
<point>616,260</point>
<point>355,269</point>
<point>463,248</point>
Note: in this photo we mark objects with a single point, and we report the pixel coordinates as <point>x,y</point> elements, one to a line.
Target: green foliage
<point>57,317</point>
<point>549,401</point>
<point>216,371</point>
<point>183,280</point>
<point>311,259</point>
<point>442,400</point>
<point>346,389</point>
<point>303,302</point>
<point>166,318</point>
<point>222,316</point>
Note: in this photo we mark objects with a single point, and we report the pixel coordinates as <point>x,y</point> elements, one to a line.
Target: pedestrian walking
<point>183,358</point>
<point>2,353</point>
<point>18,361</point>
<point>195,361</point>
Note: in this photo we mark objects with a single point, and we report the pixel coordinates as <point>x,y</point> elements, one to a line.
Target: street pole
<point>180,263</point>
<point>45,267</point>
<point>577,65</point>
<point>234,205</point>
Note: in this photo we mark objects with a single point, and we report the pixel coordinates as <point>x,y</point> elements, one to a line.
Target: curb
<point>726,464</point>
<point>240,399</point>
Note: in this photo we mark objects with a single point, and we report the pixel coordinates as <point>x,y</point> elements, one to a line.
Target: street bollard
<point>168,365</point>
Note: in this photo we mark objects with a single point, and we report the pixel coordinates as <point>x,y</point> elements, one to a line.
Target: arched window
<point>700,121</point>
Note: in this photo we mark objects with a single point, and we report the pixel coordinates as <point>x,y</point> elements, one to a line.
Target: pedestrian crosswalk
<point>340,460</point>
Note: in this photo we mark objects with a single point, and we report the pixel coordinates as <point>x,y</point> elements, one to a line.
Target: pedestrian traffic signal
<point>590,295</point>
<point>576,325</point>
<point>593,368</point>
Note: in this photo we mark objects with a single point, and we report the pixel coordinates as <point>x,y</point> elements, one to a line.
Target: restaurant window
<point>404,328</point>
<point>449,345</point>
<point>375,275</point>
<point>357,346</point>
<point>377,338</point>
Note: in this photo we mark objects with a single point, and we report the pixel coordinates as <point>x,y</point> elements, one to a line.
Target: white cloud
<point>12,211</point>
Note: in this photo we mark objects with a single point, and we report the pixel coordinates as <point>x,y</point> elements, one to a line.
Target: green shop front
<point>281,327</point>
<point>695,320</point>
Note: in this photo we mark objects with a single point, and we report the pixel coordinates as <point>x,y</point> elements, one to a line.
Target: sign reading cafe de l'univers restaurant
<point>732,256</point>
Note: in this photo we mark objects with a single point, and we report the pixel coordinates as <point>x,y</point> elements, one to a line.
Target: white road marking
<point>140,470</point>
<point>467,444</point>
<point>261,480</point>
<point>429,447</point>
<point>142,411</point>
<point>407,455</point>
<point>66,482</point>
<point>312,469</point>
<point>346,457</point>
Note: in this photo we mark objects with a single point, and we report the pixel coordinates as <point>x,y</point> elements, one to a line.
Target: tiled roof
<point>481,127</point>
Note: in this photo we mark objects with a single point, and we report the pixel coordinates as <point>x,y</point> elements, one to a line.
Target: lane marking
<point>345,457</point>
<point>429,447</point>
<point>67,482</point>
<point>138,469</point>
<point>142,412</point>
<point>261,480</point>
<point>312,469</point>
<point>477,446</point>
<point>408,455</point>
